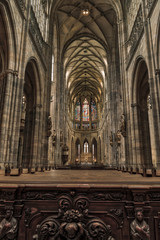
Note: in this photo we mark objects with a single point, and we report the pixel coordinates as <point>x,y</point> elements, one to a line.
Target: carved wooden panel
<point>80,213</point>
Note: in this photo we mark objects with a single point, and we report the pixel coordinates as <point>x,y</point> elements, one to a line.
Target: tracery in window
<point>93,111</point>
<point>85,126</point>
<point>94,125</point>
<point>86,147</point>
<point>85,110</point>
<point>85,115</point>
<point>77,111</point>
<point>77,125</point>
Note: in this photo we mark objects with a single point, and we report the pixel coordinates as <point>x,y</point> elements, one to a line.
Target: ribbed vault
<point>85,68</point>
<point>87,37</point>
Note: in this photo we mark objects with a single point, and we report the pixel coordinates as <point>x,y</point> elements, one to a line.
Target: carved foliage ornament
<point>49,126</point>
<point>114,196</point>
<point>73,223</point>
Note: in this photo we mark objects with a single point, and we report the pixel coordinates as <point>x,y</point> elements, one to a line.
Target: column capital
<point>8,71</point>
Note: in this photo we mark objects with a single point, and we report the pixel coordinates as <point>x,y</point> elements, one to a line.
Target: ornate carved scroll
<point>73,223</point>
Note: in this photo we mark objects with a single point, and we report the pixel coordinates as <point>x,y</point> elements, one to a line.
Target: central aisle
<point>91,177</point>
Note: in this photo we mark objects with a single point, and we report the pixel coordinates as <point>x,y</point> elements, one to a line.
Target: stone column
<point>154,92</point>
<point>38,136</point>
<point>135,138</point>
<point>126,107</point>
<point>58,112</point>
<point>9,129</point>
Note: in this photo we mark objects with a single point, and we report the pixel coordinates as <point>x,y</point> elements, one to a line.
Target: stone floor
<point>91,178</point>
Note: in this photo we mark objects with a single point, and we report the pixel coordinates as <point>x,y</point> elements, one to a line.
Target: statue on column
<point>8,226</point>
<point>54,136</point>
<point>139,227</point>
<point>118,137</point>
<point>49,125</point>
<point>123,125</point>
<point>111,139</point>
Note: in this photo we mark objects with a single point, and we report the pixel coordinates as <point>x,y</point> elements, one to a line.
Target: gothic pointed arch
<point>157,44</point>
<point>8,36</point>
<point>9,82</point>
<point>94,150</point>
<point>85,146</point>
<point>78,150</point>
<point>141,106</point>
<point>32,113</point>
<point>7,49</point>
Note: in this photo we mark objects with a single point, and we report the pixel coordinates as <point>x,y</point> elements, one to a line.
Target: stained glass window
<point>86,147</point>
<point>77,111</point>
<point>85,126</point>
<point>77,125</point>
<point>94,125</point>
<point>85,110</point>
<point>93,111</point>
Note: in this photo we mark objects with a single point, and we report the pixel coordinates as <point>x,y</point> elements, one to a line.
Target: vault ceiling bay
<point>85,67</point>
<point>71,20</point>
<point>86,41</point>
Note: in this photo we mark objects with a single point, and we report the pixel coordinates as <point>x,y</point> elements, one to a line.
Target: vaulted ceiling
<point>87,35</point>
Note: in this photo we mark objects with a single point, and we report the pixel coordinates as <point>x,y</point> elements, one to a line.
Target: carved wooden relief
<point>73,222</point>
<point>78,213</point>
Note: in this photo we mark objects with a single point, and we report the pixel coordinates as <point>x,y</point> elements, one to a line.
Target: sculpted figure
<point>111,139</point>
<point>49,123</point>
<point>139,228</point>
<point>118,137</point>
<point>54,137</point>
<point>123,125</point>
<point>8,226</point>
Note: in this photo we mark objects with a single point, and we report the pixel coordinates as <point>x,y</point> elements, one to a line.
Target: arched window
<point>86,147</point>
<point>85,111</point>
<point>77,111</point>
<point>79,150</point>
<point>85,114</point>
<point>93,111</point>
<point>93,150</point>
